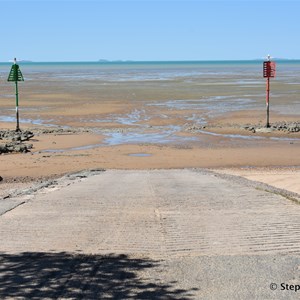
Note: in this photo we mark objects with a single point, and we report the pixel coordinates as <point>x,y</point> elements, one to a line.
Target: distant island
<point>118,60</point>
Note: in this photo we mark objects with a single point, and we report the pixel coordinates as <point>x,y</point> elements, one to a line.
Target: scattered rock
<point>60,130</point>
<point>12,135</point>
<point>263,130</point>
<point>194,128</point>
<point>287,127</point>
<point>277,126</point>
<point>293,127</point>
<point>14,141</point>
<point>15,147</point>
<point>3,149</point>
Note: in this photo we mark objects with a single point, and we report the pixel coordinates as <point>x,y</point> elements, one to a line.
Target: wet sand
<point>221,146</point>
<point>136,126</point>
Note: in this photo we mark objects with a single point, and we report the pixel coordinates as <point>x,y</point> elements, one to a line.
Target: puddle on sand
<point>132,118</point>
<point>248,137</point>
<point>231,136</point>
<point>140,154</point>
<point>215,105</point>
<point>11,119</point>
<point>87,147</point>
<point>142,134</point>
<point>163,135</point>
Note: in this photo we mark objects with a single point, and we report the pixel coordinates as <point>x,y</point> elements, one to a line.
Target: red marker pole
<point>269,70</point>
<point>267,102</point>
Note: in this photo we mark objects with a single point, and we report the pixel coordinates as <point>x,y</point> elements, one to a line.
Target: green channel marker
<point>15,75</point>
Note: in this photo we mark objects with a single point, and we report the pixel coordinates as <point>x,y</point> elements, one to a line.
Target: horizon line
<point>140,61</point>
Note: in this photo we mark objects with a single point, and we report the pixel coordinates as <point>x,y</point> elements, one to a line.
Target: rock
<point>3,149</point>
<point>12,135</point>
<point>293,127</point>
<point>249,128</point>
<point>15,147</point>
<point>195,128</point>
<point>287,127</point>
<point>14,141</point>
<point>20,148</point>
<point>264,130</point>
<point>1,178</point>
<point>16,138</point>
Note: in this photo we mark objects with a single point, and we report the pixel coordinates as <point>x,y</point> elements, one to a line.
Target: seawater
<point>244,72</point>
<point>175,80</point>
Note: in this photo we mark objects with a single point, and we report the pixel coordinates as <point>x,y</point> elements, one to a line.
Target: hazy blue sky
<point>83,30</point>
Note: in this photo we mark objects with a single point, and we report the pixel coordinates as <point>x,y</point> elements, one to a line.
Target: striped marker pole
<point>16,75</point>
<point>269,70</point>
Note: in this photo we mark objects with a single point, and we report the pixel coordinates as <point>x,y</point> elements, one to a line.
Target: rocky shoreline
<point>12,141</point>
<point>283,127</point>
<point>290,127</point>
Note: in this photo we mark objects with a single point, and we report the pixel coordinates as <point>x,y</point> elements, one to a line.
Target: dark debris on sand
<point>13,141</point>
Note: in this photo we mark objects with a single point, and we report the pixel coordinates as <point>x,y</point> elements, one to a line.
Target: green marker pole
<point>15,75</point>
<point>17,95</point>
<point>17,107</point>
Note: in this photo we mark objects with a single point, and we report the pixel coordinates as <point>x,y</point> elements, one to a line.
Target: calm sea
<point>144,71</point>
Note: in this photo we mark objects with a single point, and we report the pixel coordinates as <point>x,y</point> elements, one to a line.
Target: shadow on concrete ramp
<point>77,276</point>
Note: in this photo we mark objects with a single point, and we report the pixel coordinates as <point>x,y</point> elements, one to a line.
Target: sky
<point>148,30</point>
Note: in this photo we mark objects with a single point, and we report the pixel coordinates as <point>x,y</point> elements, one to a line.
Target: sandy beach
<point>256,156</point>
<point>173,122</point>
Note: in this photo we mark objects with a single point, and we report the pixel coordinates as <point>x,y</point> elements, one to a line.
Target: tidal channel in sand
<point>183,114</point>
